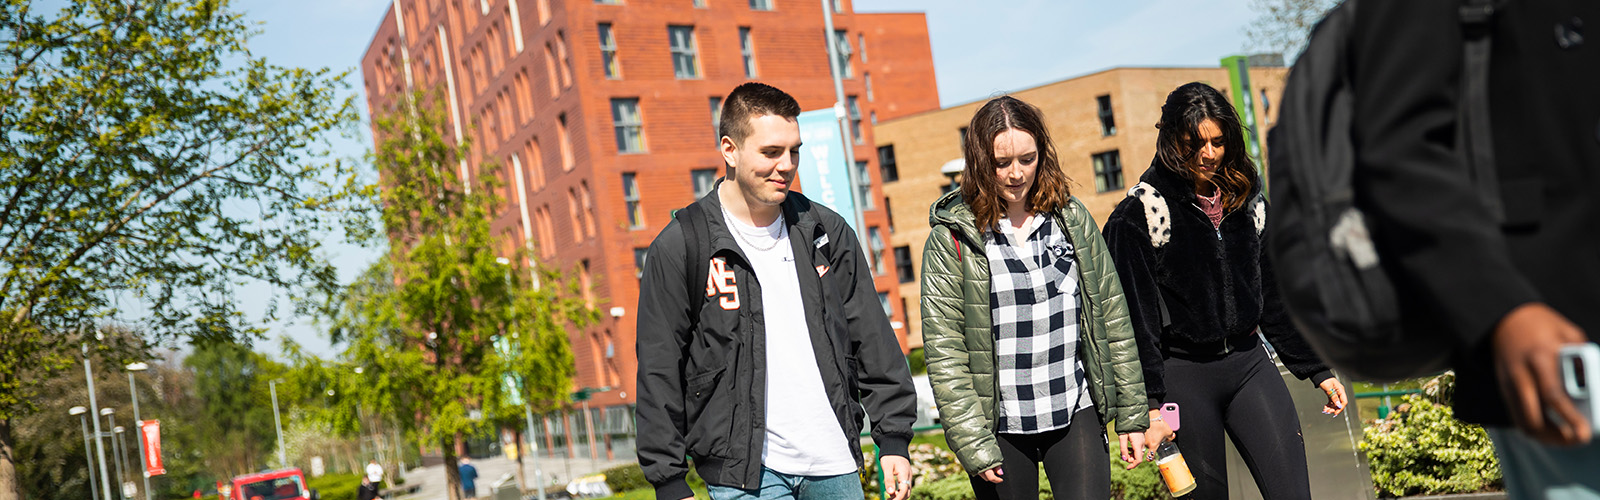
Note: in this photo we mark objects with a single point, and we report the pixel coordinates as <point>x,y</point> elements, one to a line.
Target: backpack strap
<point>1475,134</point>
<point>696,239</point>
<point>1156,216</point>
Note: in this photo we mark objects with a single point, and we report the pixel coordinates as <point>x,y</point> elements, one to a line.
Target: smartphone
<point>1580,370</point>
<point>1169,412</point>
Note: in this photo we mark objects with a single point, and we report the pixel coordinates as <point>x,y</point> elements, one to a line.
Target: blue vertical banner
<point>824,176</point>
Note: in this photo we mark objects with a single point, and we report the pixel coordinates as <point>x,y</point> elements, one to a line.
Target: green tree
<point>424,322</point>
<point>148,163</point>
<point>230,383</point>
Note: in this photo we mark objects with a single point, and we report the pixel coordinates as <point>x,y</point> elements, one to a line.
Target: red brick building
<point>604,112</point>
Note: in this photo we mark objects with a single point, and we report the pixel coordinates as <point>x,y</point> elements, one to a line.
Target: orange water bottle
<point>1174,470</point>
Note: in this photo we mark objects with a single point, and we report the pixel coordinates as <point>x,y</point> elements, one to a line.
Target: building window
<point>760,4</point>
<point>567,161</point>
<point>684,59</point>
<point>875,239</point>
<point>864,184</point>
<point>630,194</point>
<point>963,135</point>
<point>629,126</point>
<point>841,41</point>
<point>861,41</point>
<point>575,214</point>
<point>703,180</point>
<point>867,77</point>
<point>608,2</point>
<point>902,264</point>
<point>639,257</point>
<point>838,6</point>
<point>566,59</point>
<point>608,52</point>
<point>550,67</point>
<point>888,214</point>
<point>747,48</point>
<point>544,12</point>
<point>1108,123</point>
<point>883,300</point>
<point>855,118</point>
<point>699,4</point>
<point>716,118</point>
<point>589,217</point>
<point>1107,171</point>
<point>587,282</point>
<point>886,166</point>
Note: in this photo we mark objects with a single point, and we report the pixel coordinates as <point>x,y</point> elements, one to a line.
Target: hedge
<point>1422,449</point>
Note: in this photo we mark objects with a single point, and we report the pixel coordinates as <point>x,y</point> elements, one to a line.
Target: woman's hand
<point>995,475</point>
<point>1336,397</point>
<point>1132,448</point>
<point>1159,432</point>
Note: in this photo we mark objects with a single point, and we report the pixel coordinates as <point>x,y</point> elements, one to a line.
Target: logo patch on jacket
<point>822,270</point>
<point>722,281</point>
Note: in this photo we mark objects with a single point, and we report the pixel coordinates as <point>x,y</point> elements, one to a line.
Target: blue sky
<point>979,49</point>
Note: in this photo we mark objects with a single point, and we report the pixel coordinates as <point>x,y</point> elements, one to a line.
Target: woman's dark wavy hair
<point>1179,140</point>
<point>980,189</point>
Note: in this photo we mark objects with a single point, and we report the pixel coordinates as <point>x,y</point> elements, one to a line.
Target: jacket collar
<point>797,214</point>
<point>1175,187</point>
<point>951,210</point>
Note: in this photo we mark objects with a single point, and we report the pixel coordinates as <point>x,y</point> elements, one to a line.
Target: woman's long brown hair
<point>1179,140</point>
<point>981,189</point>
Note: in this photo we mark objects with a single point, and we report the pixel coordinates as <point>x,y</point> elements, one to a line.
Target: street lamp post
<point>283,458</point>
<point>119,433</point>
<point>527,407</point>
<point>116,450</point>
<point>88,457</point>
<point>138,423</point>
<point>583,395</point>
<point>94,408</point>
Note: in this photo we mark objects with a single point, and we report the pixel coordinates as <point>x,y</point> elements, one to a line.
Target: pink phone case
<point>1169,413</point>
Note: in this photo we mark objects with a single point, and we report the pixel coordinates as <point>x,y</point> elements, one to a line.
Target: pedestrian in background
<point>1188,245</point>
<point>469,478</point>
<point>1028,344</point>
<point>761,335</point>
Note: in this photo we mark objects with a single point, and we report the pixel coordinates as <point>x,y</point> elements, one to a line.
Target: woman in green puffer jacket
<point>1029,347</point>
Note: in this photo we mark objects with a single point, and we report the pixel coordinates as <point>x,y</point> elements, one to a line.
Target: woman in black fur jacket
<point>1188,244</point>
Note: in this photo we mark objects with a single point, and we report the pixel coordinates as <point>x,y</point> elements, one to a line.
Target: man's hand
<point>1159,432</point>
<point>1132,448</point>
<point>1527,345</point>
<point>896,477</point>
<point>995,475</point>
<point>1336,397</point>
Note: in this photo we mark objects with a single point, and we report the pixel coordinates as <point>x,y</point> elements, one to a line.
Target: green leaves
<point>1423,449</point>
<point>148,163</point>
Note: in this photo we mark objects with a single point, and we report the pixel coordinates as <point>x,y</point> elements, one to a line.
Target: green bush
<point>1141,483</point>
<point>1422,449</point>
<point>626,478</point>
<point>335,486</point>
<point>918,361</point>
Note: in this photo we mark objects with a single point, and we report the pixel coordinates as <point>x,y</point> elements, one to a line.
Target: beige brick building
<point>1103,125</point>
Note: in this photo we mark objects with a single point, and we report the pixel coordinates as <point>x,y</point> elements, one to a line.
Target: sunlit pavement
<point>490,470</point>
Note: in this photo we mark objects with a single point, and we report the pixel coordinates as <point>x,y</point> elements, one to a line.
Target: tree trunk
<point>9,487</point>
<point>452,470</point>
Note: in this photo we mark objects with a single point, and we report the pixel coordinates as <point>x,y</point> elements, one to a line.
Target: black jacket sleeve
<point>884,376</point>
<point>663,332</point>
<point>1293,350</point>
<point>1433,231</point>
<point>1135,257</point>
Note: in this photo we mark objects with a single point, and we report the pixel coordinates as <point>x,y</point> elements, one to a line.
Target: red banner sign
<point>150,432</point>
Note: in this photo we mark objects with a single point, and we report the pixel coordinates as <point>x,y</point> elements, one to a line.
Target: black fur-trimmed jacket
<point>1216,283</point>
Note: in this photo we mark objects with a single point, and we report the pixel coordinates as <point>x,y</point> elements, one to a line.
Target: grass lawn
<point>650,494</point>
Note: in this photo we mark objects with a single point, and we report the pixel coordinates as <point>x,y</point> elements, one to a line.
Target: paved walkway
<point>491,470</point>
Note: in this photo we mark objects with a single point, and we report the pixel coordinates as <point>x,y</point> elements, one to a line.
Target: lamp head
<point>105,412</point>
<point>77,410</point>
<point>138,367</point>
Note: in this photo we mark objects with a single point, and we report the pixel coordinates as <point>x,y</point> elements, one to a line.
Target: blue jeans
<point>1534,471</point>
<point>779,486</point>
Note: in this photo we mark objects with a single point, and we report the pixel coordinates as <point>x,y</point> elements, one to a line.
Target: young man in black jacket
<point>761,380</point>
<point>1513,292</point>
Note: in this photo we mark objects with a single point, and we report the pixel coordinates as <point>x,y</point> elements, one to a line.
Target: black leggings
<point>1075,459</point>
<point>1242,393</point>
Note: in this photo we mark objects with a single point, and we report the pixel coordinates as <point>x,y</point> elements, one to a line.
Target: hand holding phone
<point>1580,373</point>
<point>1169,413</point>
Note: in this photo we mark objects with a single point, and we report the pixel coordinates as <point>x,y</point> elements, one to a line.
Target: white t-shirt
<point>803,434</point>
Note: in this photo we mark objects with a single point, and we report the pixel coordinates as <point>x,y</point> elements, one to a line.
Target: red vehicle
<point>283,484</point>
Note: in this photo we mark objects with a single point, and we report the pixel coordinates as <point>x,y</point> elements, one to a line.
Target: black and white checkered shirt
<point>1033,292</point>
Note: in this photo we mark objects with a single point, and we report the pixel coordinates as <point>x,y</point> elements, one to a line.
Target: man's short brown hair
<point>752,100</point>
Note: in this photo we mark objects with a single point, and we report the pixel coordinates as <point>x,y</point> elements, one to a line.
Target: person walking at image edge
<point>1028,344</point>
<point>369,482</point>
<point>1188,244</point>
<point>469,478</point>
<point>1508,291</point>
<point>761,335</point>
